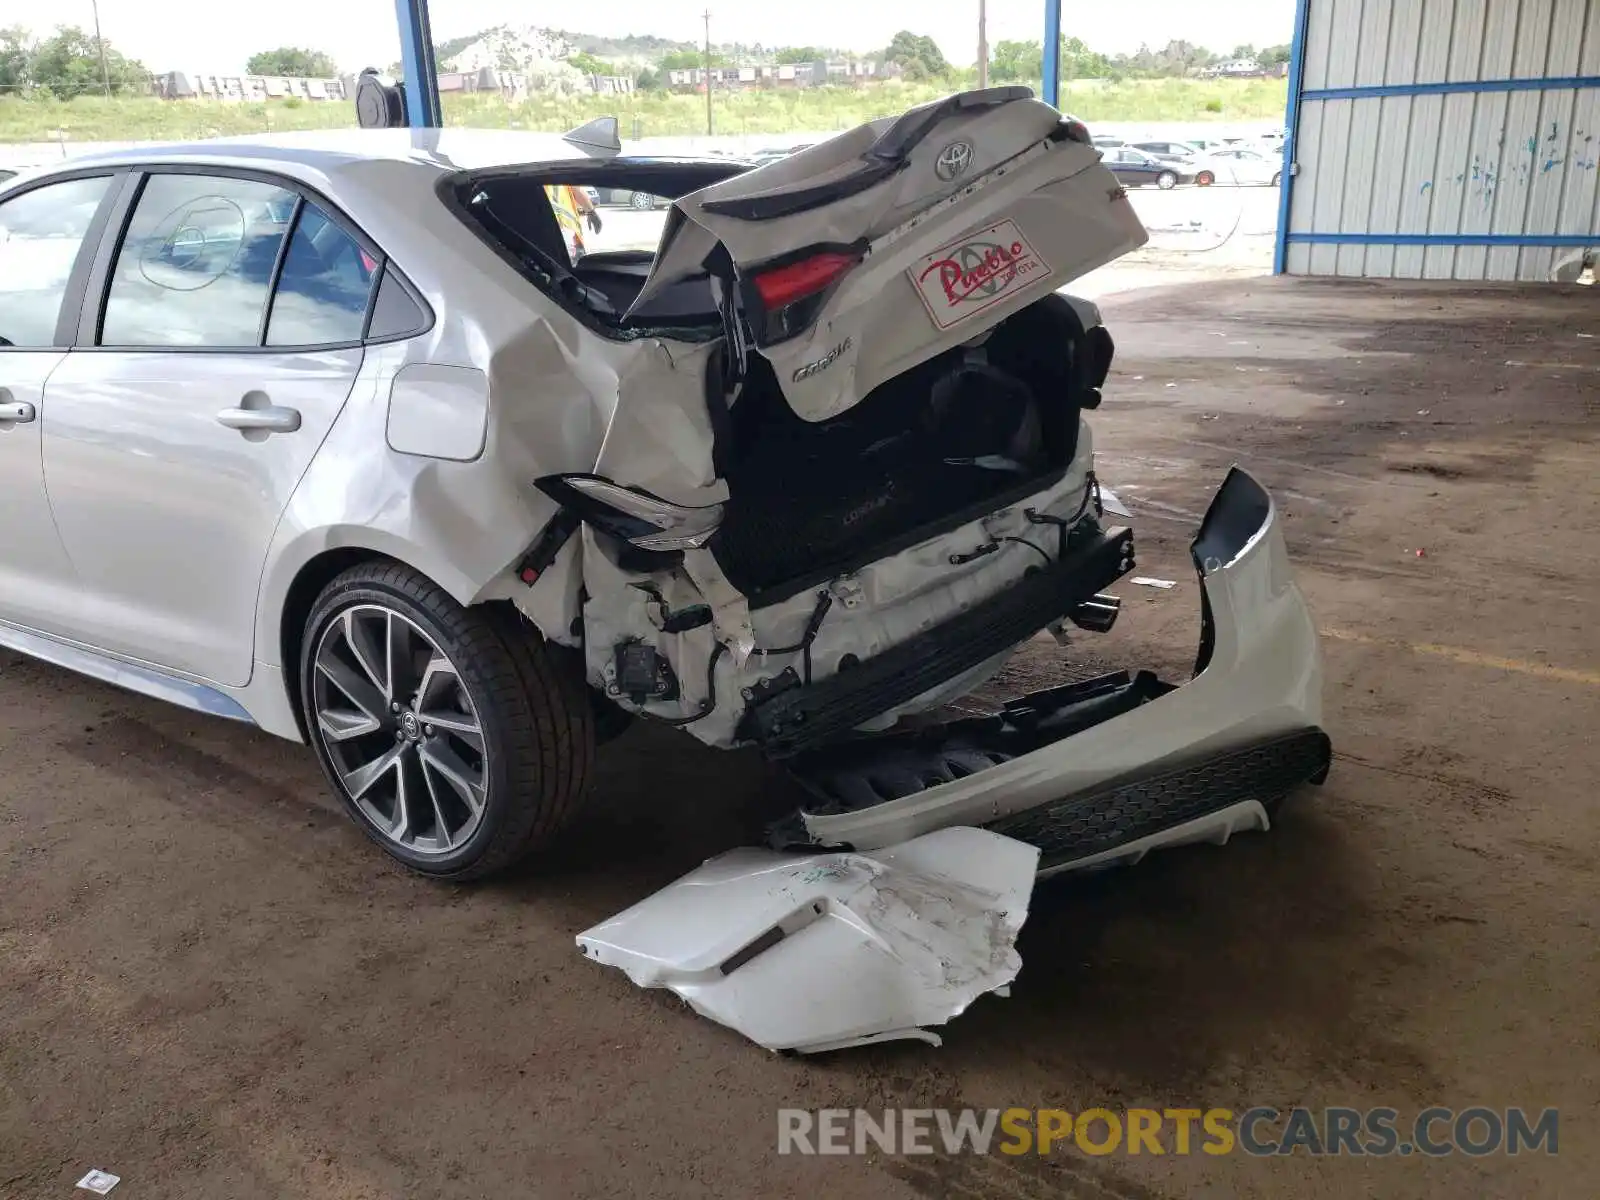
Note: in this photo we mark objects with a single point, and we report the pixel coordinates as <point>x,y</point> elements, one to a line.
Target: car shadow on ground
<point>659,804</point>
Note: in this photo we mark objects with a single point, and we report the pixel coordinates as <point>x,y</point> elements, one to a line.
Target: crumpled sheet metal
<point>823,951</point>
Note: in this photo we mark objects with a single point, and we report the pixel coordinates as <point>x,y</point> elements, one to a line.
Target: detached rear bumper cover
<point>1244,730</point>
<point>832,950</point>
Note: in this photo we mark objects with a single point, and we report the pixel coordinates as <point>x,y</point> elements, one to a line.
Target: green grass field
<point>91,118</point>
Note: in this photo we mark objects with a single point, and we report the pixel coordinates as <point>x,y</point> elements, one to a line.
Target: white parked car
<point>327,433</point>
<point>1239,165</point>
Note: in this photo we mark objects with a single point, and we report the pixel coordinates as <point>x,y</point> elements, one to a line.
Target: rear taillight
<point>782,301</point>
<point>782,286</point>
<point>636,517</point>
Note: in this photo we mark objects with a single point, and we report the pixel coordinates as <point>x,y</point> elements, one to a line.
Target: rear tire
<point>453,736</point>
<point>1166,181</point>
<point>611,720</point>
<point>642,201</point>
<point>1205,179</point>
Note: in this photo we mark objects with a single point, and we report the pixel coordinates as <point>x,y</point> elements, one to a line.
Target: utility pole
<point>707,16</point>
<point>983,44</point>
<point>100,45</point>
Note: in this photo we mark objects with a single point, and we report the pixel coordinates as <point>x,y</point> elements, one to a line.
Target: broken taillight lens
<point>782,286</point>
<point>783,301</point>
<point>645,521</point>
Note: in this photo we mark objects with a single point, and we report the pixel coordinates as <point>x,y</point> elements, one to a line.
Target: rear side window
<point>195,266</point>
<point>325,286</point>
<point>41,233</point>
<point>394,313</point>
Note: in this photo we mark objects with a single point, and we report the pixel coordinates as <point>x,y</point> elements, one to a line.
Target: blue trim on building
<point>1052,53</point>
<point>1297,60</point>
<point>1579,240</point>
<point>417,67</point>
<point>1450,87</point>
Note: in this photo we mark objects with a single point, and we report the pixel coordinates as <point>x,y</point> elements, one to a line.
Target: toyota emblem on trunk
<point>953,161</point>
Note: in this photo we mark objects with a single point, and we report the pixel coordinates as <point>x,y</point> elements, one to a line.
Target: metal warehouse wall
<point>1443,139</point>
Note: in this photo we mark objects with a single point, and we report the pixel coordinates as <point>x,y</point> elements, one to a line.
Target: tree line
<point>72,63</point>
<point>67,64</point>
<point>919,58</point>
<point>1024,61</point>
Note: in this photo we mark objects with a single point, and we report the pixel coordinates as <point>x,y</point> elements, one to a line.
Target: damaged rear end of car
<point>885,435</point>
<point>846,470</point>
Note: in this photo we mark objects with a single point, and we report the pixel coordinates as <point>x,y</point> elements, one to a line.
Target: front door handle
<point>16,410</point>
<point>271,418</point>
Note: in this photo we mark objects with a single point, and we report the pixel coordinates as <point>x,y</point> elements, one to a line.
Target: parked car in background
<point>623,198</point>
<point>1135,168</point>
<point>1238,165</point>
<point>1106,141</point>
<point>774,154</point>
<point>1178,152</point>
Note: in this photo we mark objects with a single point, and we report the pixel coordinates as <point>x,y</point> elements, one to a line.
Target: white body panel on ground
<point>819,952</point>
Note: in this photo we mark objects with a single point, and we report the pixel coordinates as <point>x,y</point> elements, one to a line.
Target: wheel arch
<point>299,577</point>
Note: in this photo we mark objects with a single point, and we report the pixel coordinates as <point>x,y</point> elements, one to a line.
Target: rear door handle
<point>16,410</point>
<point>271,418</point>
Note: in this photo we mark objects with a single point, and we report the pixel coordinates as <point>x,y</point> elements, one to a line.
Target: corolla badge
<point>823,363</point>
<point>953,161</point>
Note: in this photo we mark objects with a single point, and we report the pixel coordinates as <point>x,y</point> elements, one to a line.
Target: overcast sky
<point>215,35</point>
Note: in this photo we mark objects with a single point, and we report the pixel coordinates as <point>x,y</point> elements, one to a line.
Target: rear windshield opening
<point>590,242</point>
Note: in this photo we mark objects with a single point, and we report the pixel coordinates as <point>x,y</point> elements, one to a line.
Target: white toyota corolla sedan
<point>331,434</point>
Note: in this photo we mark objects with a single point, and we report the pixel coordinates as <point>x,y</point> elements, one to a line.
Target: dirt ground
<point>212,985</point>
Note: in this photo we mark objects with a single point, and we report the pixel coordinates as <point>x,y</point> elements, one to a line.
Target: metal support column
<point>1052,52</point>
<point>1297,59</point>
<point>416,63</point>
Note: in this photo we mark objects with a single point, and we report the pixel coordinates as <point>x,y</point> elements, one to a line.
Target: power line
<point>100,45</point>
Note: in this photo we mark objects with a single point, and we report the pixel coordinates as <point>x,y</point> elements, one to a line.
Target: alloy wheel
<point>400,729</point>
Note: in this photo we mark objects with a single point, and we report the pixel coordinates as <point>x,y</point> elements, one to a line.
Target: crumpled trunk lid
<point>960,213</point>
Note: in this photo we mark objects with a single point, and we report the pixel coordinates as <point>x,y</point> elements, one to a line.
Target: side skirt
<point>134,676</point>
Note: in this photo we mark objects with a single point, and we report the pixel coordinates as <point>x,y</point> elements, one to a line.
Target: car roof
<point>333,152</point>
